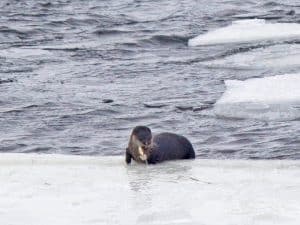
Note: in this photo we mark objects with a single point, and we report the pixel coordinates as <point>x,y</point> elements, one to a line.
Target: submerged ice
<point>283,56</point>
<point>247,31</point>
<point>276,97</point>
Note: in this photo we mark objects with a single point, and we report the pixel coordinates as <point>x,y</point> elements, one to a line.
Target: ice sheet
<point>54,189</point>
<point>276,97</point>
<point>247,31</point>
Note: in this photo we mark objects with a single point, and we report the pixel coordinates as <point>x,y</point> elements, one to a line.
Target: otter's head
<point>141,140</point>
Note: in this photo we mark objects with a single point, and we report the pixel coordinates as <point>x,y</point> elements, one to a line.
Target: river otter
<point>144,148</point>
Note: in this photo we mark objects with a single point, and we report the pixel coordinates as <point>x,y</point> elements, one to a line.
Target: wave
<point>94,112</point>
<point>24,108</point>
<point>102,32</point>
<point>3,81</point>
<point>261,56</point>
<point>10,31</point>
<point>281,4</point>
<point>166,40</point>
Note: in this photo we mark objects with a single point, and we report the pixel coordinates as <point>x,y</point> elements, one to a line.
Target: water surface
<point>60,60</point>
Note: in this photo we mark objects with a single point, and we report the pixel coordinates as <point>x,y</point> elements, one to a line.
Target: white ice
<point>75,190</point>
<point>247,31</point>
<point>276,97</point>
<point>277,56</point>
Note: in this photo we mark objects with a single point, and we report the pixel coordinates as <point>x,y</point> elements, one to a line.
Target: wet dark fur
<point>162,147</point>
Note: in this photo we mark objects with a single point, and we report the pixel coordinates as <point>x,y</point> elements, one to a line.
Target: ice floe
<point>276,97</point>
<point>241,31</point>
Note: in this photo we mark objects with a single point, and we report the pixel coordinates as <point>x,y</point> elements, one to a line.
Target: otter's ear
<point>128,156</point>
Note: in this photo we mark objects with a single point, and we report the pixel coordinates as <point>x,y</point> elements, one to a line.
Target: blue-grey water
<point>61,60</point>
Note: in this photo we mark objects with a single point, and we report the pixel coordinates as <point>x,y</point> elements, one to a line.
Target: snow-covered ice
<point>276,97</point>
<point>274,89</point>
<point>56,189</point>
<point>241,31</point>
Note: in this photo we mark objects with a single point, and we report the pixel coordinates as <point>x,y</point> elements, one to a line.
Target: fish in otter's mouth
<point>142,154</point>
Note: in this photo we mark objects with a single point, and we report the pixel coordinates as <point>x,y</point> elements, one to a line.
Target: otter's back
<point>169,146</point>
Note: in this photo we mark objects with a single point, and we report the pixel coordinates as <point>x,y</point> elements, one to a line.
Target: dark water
<point>60,60</point>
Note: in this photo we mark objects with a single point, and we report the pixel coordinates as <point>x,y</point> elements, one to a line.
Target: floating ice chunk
<point>276,97</point>
<point>275,89</point>
<point>246,31</point>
